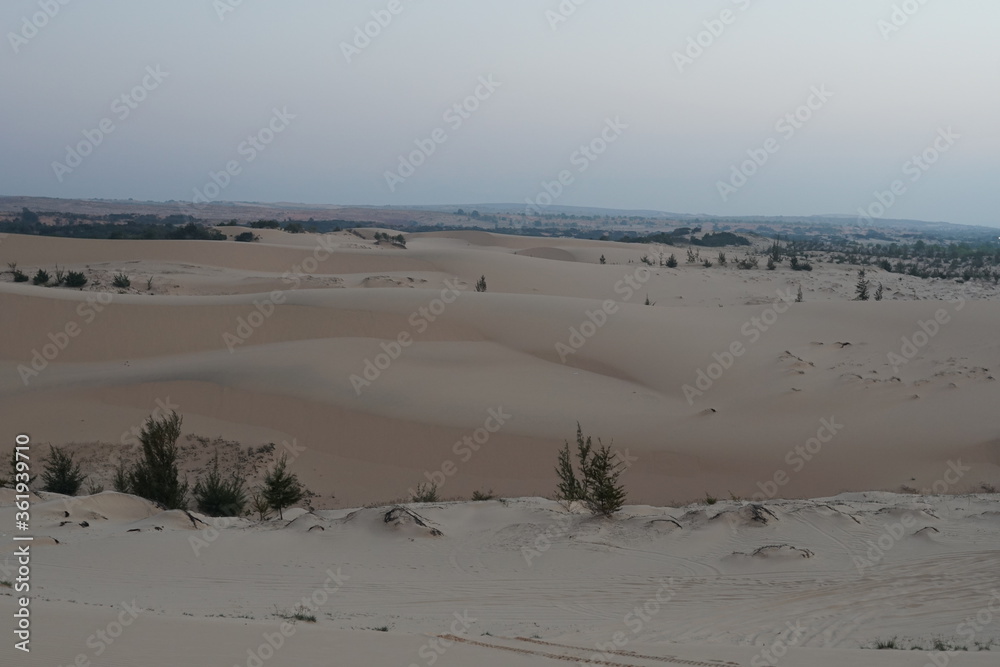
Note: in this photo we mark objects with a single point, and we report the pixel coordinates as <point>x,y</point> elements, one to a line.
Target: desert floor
<point>376,368</point>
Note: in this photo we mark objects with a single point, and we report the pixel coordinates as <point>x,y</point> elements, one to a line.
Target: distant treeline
<point>686,236</point>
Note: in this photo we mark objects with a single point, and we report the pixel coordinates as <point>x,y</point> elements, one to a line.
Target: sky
<point>885,108</point>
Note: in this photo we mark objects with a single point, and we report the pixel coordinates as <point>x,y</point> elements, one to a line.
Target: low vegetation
<point>597,485</point>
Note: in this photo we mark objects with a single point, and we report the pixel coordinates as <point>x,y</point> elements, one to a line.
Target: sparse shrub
<point>692,256</point>
<point>219,495</point>
<point>597,487</point>
<point>149,283</point>
<point>646,260</point>
<point>60,275</point>
<point>861,287</point>
<point>481,284</point>
<point>19,276</point>
<point>425,493</point>
<point>885,644</point>
<point>603,260</point>
<point>672,262</point>
<point>75,279</point>
<point>747,263</point>
<point>121,281</point>
<point>60,474</point>
<point>482,495</point>
<point>722,259</point>
<point>879,293</point>
<point>771,266</point>
<point>281,488</point>
<point>648,302</point>
<point>710,499</point>
<point>93,489</point>
<point>707,263</point>
<point>156,477</point>
<point>260,506</point>
<point>41,278</point>
<point>798,296</point>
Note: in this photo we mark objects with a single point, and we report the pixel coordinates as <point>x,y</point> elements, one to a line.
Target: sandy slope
<point>291,381</point>
<point>269,342</point>
<point>713,584</point>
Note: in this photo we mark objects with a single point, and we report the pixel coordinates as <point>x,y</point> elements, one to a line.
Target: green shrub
<point>60,474</point>
<point>281,488</point>
<point>425,494</point>
<point>247,237</point>
<point>75,279</point>
<point>121,281</point>
<point>156,477</point>
<point>19,276</point>
<point>482,495</point>
<point>41,278</point>
<point>600,469</point>
<point>219,495</point>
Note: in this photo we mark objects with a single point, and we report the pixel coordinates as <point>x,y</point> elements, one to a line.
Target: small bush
<point>218,495</point>
<point>672,262</point>
<point>75,279</point>
<point>121,281</point>
<point>156,477</point>
<point>61,474</point>
<point>41,278</point>
<point>247,237</point>
<point>482,495</point>
<point>19,276</point>
<point>710,499</point>
<point>281,488</point>
<point>597,487</point>
<point>481,284</point>
<point>260,506</point>
<point>425,494</point>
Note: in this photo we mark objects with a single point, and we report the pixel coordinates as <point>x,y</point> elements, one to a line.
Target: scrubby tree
<point>156,477</point>
<point>672,262</point>
<point>879,293</point>
<point>41,277</point>
<point>597,485</point>
<point>861,287</point>
<point>216,494</point>
<point>281,488</point>
<point>60,474</point>
<point>481,284</point>
<point>799,297</point>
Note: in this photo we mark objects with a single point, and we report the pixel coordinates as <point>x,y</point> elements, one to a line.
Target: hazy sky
<point>326,130</point>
